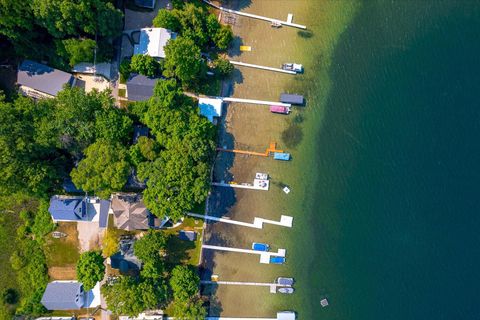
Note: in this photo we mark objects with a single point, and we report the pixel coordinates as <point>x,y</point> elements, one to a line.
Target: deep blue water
<point>398,196</point>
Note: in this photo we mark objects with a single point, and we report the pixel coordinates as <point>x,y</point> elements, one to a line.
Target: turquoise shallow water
<point>391,211</point>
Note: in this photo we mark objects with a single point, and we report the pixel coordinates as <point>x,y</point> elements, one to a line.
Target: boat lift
<point>271,150</point>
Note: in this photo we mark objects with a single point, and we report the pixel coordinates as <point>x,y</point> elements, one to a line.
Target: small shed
<point>187,235</point>
<point>211,108</point>
<point>292,98</point>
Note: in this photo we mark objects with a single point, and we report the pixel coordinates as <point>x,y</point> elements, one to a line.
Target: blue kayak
<point>260,246</point>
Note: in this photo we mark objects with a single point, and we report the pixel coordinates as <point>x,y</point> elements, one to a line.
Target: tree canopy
<point>145,65</point>
<point>129,296</point>
<point>90,269</point>
<point>33,26</point>
<point>178,178</point>
<point>184,283</point>
<point>25,166</point>
<point>103,170</point>
<point>183,60</point>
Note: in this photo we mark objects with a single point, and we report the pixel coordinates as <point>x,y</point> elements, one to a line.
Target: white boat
<point>286,190</point>
<point>290,66</point>
<point>286,290</point>
<point>285,281</point>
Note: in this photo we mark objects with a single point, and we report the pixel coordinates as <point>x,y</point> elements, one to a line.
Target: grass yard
<point>181,251</point>
<point>62,254</point>
<point>9,222</point>
<point>122,93</point>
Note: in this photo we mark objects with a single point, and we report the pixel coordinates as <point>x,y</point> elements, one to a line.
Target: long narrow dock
<point>256,66</point>
<point>240,186</point>
<point>287,23</point>
<point>285,221</point>
<point>273,286</point>
<point>251,101</point>
<point>264,255</point>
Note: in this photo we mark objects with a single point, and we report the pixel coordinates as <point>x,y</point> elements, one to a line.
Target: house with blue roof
<point>75,208</point>
<point>70,295</point>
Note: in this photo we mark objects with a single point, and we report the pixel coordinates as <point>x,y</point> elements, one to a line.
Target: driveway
<point>90,235</point>
<point>142,19</point>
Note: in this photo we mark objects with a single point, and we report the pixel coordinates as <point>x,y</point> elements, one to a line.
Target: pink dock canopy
<point>279,109</point>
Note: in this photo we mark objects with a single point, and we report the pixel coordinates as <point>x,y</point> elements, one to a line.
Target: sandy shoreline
<point>251,127</point>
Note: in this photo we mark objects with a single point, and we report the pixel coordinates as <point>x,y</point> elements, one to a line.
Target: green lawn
<point>184,252</point>
<point>122,93</point>
<point>9,223</point>
<point>62,254</point>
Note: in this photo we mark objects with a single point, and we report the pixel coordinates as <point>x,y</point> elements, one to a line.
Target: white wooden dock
<point>264,255</point>
<point>256,66</point>
<point>285,221</point>
<point>240,186</point>
<point>273,286</point>
<point>287,23</point>
<point>252,101</point>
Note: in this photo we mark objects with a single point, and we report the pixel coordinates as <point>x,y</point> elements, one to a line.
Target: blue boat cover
<point>260,246</point>
<point>281,156</point>
<point>277,260</point>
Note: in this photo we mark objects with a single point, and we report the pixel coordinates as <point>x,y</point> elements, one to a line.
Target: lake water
<point>388,217</point>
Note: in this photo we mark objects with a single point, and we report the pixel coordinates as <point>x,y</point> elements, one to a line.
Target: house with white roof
<point>152,42</point>
<point>211,108</point>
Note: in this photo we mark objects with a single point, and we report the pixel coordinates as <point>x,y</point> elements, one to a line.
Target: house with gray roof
<point>76,208</point>
<point>130,213</point>
<point>63,295</point>
<point>140,87</point>
<point>37,80</point>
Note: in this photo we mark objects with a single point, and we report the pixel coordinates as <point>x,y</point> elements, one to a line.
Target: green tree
<point>169,94</point>
<point>63,17</point>
<point>189,310</point>
<point>123,296</point>
<point>68,122</point>
<point>90,269</point>
<point>103,170</point>
<point>124,70</point>
<point>129,296</point>
<point>42,224</point>
<point>223,67</point>
<point>10,296</point>
<point>150,245</point>
<point>223,37</point>
<point>184,283</point>
<point>183,60</point>
<point>114,125</point>
<point>25,166</point>
<point>166,19</point>
<point>145,65</point>
<point>77,50</point>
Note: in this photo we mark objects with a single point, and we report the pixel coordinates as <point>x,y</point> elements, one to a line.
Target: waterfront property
<point>76,209</point>
<point>70,295</point>
<point>37,80</point>
<point>153,41</point>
